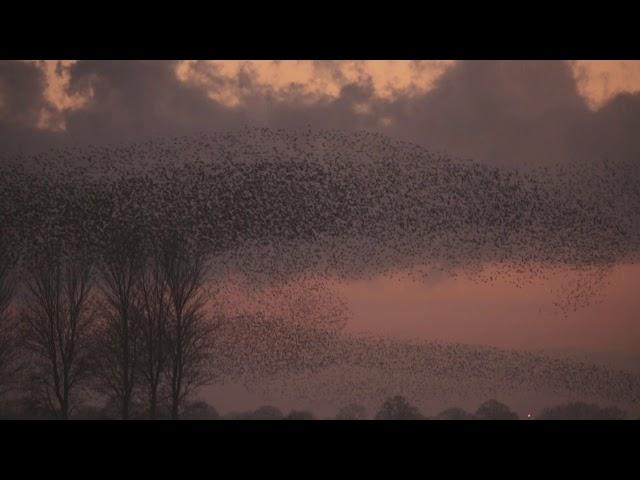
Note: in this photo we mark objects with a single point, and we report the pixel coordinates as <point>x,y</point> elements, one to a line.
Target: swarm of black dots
<point>280,207</point>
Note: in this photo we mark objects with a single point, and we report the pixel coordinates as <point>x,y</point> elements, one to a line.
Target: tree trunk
<point>175,414</point>
<point>153,404</point>
<point>64,410</point>
<point>125,409</point>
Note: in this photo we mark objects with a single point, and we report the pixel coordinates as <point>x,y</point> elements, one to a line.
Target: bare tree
<point>153,300</point>
<point>119,341</point>
<point>58,319</point>
<point>9,364</point>
<point>189,334</point>
<point>12,204</point>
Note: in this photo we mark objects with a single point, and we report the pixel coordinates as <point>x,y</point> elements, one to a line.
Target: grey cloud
<point>501,112</point>
<point>21,103</point>
<point>21,89</point>
<point>140,99</point>
<point>511,113</point>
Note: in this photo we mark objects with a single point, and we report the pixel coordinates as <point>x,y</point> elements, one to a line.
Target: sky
<point>429,102</point>
<point>510,114</point>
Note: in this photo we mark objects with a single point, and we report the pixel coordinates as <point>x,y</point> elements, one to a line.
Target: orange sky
<point>598,80</point>
<point>517,313</point>
<point>499,313</point>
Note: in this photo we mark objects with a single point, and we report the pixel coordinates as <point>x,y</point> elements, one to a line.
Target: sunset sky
<point>504,113</point>
<point>59,88</point>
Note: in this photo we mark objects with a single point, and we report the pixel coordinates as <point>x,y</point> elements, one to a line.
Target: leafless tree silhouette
<point>189,333</point>
<point>12,195</point>
<point>9,352</point>
<point>119,340</point>
<point>58,317</point>
<point>153,297</point>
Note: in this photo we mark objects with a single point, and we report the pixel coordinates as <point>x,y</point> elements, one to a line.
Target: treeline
<point>394,408</point>
<point>99,297</point>
<point>129,325</point>
<point>398,408</point>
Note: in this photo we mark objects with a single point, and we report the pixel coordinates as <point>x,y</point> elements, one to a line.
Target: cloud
<point>512,113</point>
<point>139,99</point>
<point>22,90</point>
<point>500,112</point>
<point>601,80</point>
<point>230,82</point>
<point>23,108</point>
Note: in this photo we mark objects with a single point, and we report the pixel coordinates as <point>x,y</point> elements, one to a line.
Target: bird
<point>285,214</point>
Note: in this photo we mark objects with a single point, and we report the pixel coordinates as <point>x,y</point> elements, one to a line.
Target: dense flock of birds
<point>275,208</point>
<point>368,369</point>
